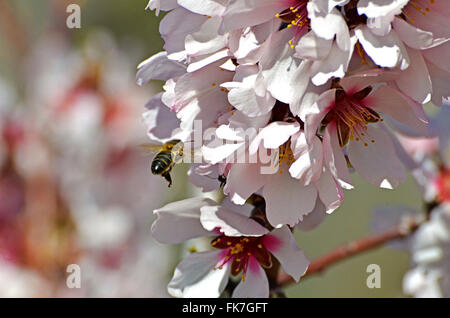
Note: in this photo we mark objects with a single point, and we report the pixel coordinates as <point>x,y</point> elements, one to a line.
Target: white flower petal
<point>330,193</point>
<point>388,101</point>
<point>180,221</point>
<point>274,135</point>
<point>244,180</point>
<point>291,257</point>
<point>229,222</point>
<point>334,65</point>
<point>314,218</point>
<point>289,205</point>
<point>312,47</point>
<point>378,8</point>
<point>385,51</point>
<point>195,276</point>
<point>158,67</point>
<point>308,164</point>
<point>240,14</point>
<point>255,285</point>
<point>415,81</point>
<point>377,161</point>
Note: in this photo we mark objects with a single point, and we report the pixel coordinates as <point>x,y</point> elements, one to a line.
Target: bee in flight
<point>167,155</point>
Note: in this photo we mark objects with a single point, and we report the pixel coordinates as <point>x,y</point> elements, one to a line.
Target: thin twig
<point>401,231</point>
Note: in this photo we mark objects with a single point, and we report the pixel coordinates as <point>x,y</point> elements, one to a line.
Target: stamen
<point>239,250</point>
<point>285,156</point>
<point>295,16</point>
<point>418,6</point>
<point>352,117</point>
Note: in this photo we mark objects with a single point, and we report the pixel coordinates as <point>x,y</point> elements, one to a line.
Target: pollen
<point>236,249</point>
<point>286,156</point>
<point>239,251</point>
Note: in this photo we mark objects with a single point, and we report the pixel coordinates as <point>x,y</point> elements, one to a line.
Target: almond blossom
<point>241,247</point>
<point>351,116</point>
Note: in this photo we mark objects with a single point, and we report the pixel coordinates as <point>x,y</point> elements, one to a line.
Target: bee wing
<point>151,148</point>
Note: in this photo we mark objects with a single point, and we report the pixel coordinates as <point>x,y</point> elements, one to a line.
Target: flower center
<point>239,251</point>
<point>352,117</point>
<point>443,185</point>
<point>295,16</point>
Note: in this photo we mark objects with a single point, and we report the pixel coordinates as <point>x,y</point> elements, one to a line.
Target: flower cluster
<point>320,87</point>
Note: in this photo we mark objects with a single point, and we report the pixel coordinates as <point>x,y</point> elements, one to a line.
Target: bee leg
<point>168,178</point>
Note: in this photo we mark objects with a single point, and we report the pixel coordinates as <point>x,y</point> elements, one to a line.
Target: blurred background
<point>75,189</point>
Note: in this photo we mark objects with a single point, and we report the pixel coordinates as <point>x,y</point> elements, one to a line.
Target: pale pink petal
<point>205,7</point>
<point>378,8</point>
<point>291,257</point>
<point>334,65</point>
<point>176,25</point>
<point>244,210</point>
<point>240,14</point>
<point>179,221</point>
<point>274,135</point>
<point>385,51</point>
<point>164,5</point>
<point>330,192</point>
<point>244,180</point>
<point>415,37</point>
<point>329,25</point>
<point>439,56</point>
<point>317,112</point>
<point>290,205</point>
<point>308,164</point>
<point>162,123</point>
<point>243,95</point>
<point>229,223</point>
<point>196,276</point>
<point>200,61</point>
<point>435,20</point>
<point>314,218</point>
<point>388,101</point>
<point>312,47</point>
<point>158,67</point>
<point>282,73</point>
<point>377,162</point>
<point>415,81</point>
<point>371,77</point>
<point>441,84</point>
<point>204,176</point>
<point>255,284</point>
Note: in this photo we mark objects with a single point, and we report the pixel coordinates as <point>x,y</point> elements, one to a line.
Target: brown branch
<point>401,231</point>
